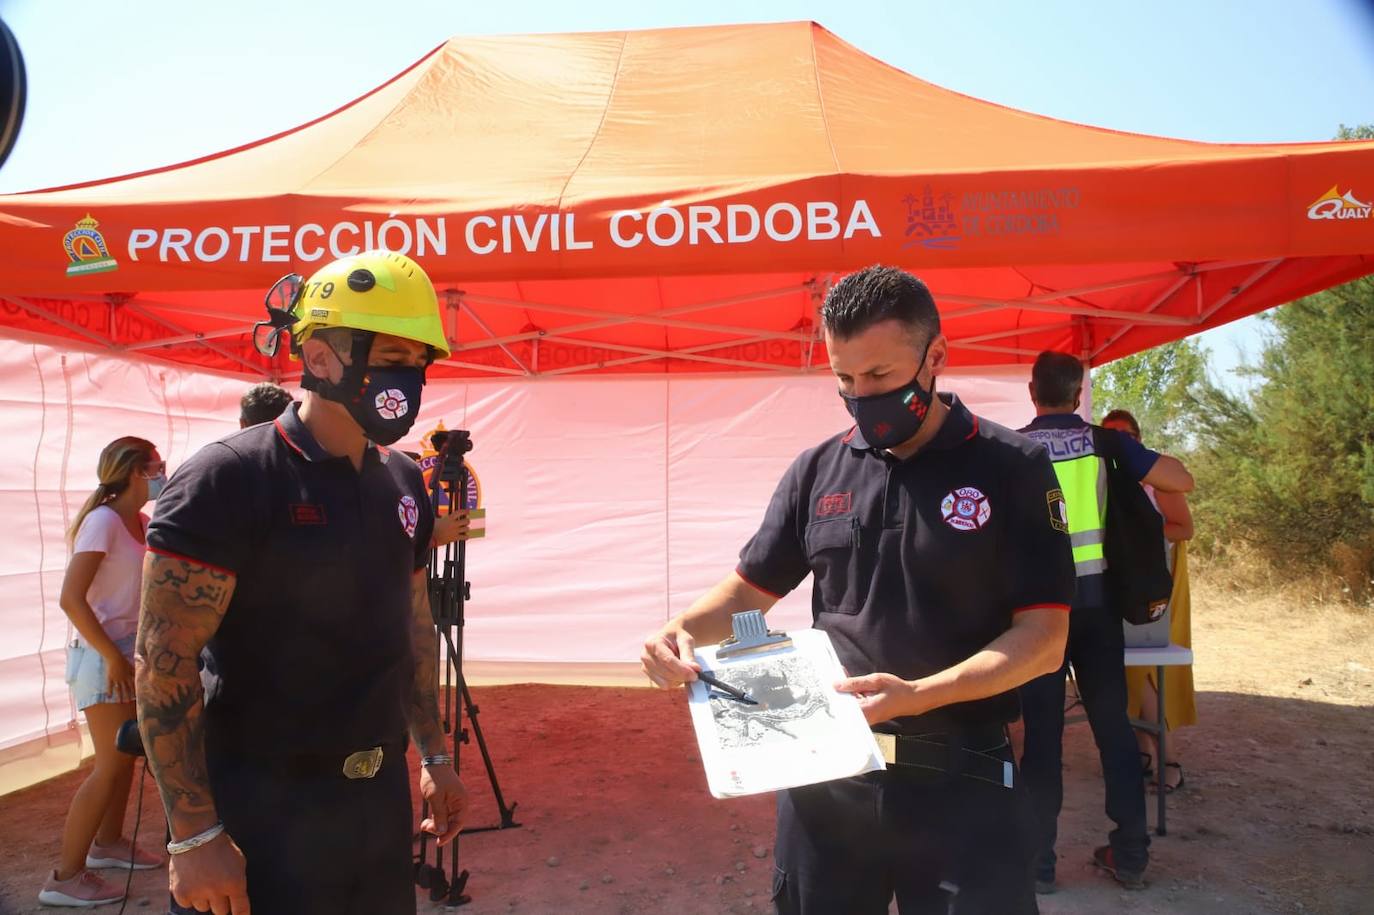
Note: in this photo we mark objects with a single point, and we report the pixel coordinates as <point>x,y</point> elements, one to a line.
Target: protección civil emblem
<point>86,249</point>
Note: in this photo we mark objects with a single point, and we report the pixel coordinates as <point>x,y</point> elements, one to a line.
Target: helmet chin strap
<point>349,388</point>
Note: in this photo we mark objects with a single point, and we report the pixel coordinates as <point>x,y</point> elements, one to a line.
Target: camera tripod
<point>449,591</point>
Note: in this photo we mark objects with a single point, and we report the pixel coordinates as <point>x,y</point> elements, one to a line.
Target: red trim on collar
<point>1064,607</point>
<point>286,438</point>
<point>849,436</point>
<point>974,430</point>
<point>191,559</point>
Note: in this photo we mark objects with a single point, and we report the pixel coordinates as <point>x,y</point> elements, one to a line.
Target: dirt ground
<point>1277,814</point>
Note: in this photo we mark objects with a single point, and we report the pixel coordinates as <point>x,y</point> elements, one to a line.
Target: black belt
<point>360,764</point>
<point>981,754</point>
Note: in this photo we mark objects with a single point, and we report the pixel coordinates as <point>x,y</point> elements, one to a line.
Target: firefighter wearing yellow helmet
<point>295,554</point>
<point>374,295</point>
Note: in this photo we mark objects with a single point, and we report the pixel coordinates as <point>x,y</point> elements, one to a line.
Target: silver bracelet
<point>196,841</point>
<point>438,759</point>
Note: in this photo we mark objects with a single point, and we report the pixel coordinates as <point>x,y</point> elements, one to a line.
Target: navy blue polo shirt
<point>314,652</point>
<point>1067,436</point>
<point>919,563</point>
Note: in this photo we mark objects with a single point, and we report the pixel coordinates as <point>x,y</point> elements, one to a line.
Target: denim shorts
<point>86,671</point>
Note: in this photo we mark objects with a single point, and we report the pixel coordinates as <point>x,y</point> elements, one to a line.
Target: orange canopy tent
<point>680,200</point>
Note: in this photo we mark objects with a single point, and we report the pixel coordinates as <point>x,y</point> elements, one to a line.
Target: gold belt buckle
<point>887,746</point>
<point>363,764</point>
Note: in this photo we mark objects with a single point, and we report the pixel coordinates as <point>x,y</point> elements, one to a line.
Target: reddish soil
<point>1277,814</point>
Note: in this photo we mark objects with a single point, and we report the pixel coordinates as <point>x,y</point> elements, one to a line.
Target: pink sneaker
<point>117,855</point>
<point>84,890</point>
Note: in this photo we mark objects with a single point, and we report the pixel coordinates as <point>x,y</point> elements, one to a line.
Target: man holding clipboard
<point>943,576</point>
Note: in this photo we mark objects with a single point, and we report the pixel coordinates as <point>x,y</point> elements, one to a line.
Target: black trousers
<point>940,844</point>
<point>318,844</point>
<point>1095,648</point>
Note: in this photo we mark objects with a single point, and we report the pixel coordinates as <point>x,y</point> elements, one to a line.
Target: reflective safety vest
<point>1083,478</point>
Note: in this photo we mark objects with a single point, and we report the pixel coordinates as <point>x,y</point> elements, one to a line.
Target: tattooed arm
<point>183,604</point>
<point>439,784</point>
<point>425,729</point>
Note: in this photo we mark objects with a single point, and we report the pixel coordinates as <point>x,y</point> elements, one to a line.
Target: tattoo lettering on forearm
<point>167,662</point>
<point>425,728</point>
<point>183,605</point>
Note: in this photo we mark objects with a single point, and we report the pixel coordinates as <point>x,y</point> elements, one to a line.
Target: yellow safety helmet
<point>378,291</point>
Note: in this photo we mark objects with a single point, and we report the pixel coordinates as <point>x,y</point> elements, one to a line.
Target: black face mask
<point>887,420</point>
<point>383,400</point>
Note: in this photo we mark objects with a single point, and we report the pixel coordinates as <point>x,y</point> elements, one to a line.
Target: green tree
<point>1358,132</point>
<point>1291,470</point>
<point>1156,386</point>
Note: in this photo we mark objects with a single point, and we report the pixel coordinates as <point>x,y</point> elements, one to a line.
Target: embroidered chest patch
<point>966,509</point>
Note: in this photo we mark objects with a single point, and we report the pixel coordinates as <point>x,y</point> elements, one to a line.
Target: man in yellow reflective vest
<point>1095,646</point>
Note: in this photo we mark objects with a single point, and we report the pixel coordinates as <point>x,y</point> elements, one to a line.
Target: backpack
<point>1138,583</point>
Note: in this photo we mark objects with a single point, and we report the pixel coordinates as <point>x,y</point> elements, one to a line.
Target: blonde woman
<point>100,595</point>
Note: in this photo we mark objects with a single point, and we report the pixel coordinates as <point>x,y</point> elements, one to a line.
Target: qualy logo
<point>409,513</point>
<point>392,404</point>
<point>931,221</point>
<point>1335,205</point>
<point>86,249</point>
<point>966,509</point>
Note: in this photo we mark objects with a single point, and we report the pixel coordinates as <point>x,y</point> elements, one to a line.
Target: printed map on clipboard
<point>801,731</point>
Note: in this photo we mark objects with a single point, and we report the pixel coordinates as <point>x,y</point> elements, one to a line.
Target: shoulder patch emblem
<point>409,513</point>
<point>1059,510</point>
<point>966,509</point>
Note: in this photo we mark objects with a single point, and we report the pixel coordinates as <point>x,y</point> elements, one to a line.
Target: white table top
<point>1166,656</point>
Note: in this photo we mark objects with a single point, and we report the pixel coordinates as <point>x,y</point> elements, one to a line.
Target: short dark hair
<point>1056,379</point>
<point>1123,416</point>
<point>875,294</point>
<point>263,403</point>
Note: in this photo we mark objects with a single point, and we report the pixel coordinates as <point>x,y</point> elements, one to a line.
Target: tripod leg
<point>507,813</point>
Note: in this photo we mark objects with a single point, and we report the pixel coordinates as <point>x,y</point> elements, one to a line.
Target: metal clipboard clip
<point>751,634</point>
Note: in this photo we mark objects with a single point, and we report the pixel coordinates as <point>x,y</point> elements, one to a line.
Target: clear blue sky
<point>116,87</point>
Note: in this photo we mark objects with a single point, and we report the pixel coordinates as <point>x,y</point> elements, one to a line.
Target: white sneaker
<point>84,890</point>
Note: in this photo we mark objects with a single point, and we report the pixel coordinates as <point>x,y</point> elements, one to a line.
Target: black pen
<point>726,688</point>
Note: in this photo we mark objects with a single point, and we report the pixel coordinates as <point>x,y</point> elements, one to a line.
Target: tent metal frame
<point>1068,304</point>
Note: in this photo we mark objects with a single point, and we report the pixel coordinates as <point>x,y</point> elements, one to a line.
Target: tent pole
<point>195,337</point>
<point>489,369</point>
<point>1265,268</point>
<point>631,360</point>
<point>259,370</point>
<point>486,329</point>
<point>1016,332</point>
<point>662,317</point>
<point>1107,314</point>
<point>1157,303</point>
<point>451,297</point>
<point>985,348</point>
<point>1235,291</point>
<point>672,354</point>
